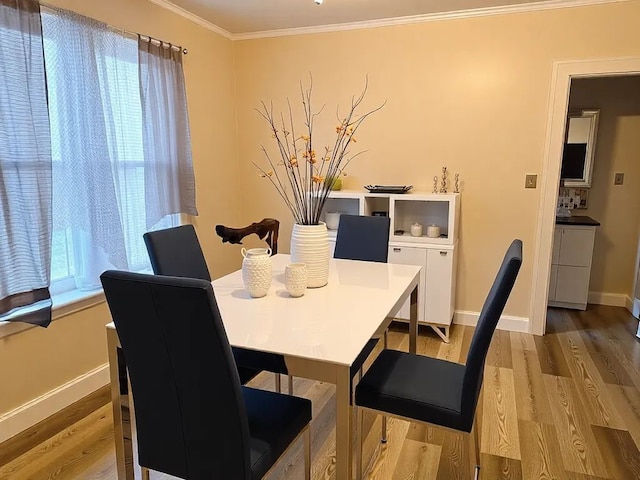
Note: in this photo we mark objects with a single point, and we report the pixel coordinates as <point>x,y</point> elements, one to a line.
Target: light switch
<point>619,179</point>
<point>531,180</point>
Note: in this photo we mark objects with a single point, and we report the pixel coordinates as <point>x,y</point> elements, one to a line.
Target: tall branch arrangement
<point>302,177</point>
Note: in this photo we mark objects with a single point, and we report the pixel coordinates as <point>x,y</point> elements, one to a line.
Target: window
<point>96,135</point>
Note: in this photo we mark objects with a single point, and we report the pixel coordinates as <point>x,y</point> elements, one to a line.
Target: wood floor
<point>565,406</point>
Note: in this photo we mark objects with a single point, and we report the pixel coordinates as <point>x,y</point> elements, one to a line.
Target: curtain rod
<point>145,38</point>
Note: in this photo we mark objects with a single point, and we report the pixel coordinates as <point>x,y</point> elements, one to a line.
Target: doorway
<point>563,73</point>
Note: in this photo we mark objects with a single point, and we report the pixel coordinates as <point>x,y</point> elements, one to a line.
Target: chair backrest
<point>176,252</point>
<point>189,408</point>
<point>363,238</point>
<point>487,322</point>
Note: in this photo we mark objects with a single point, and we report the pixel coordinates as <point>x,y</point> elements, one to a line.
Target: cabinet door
<point>557,240</point>
<point>411,256</point>
<point>553,281</point>
<point>439,287</point>
<point>572,285</point>
<point>576,248</point>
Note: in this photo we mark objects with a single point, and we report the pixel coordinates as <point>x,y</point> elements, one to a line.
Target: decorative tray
<point>388,188</point>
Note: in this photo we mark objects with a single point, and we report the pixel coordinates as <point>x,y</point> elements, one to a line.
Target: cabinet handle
<point>396,249</point>
<point>443,253</point>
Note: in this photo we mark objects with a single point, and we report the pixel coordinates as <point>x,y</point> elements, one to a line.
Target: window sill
<point>64,304</point>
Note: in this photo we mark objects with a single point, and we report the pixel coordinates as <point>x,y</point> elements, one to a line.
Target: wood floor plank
<point>541,454</point>
<point>499,411</point>
<point>531,396</point>
<point>454,459</point>
<point>580,451</point>
<point>417,460</point>
<point>499,354</point>
<point>626,400</point>
<point>550,356</point>
<point>500,468</point>
<point>593,390</point>
<point>619,452</point>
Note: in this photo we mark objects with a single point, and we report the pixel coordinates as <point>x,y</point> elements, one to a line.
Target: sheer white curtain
<point>98,160</point>
<point>25,166</point>
<point>169,180</point>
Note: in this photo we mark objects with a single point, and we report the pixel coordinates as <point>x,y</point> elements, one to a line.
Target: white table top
<point>330,324</point>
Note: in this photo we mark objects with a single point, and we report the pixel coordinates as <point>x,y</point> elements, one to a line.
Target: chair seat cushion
<point>416,387</point>
<point>270,362</point>
<point>275,420</point>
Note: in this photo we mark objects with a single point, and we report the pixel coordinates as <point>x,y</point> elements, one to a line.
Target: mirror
<point>579,148</point>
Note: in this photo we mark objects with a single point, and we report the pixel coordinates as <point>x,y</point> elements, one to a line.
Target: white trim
<point>38,409</point>
<point>628,303</point>
<point>562,74</point>
<point>383,22</point>
<point>609,299</point>
<point>506,322</point>
<point>424,18</point>
<point>172,7</point>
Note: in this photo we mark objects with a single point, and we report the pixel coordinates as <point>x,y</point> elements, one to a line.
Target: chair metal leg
<point>278,383</point>
<point>383,438</point>
<point>359,442</point>
<point>145,473</point>
<point>474,452</point>
<point>307,454</point>
<point>290,379</point>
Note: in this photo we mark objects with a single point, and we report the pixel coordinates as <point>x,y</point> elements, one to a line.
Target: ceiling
<point>247,16</point>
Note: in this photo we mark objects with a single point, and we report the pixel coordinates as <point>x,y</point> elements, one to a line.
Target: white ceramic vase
<point>256,271</point>
<point>310,245</point>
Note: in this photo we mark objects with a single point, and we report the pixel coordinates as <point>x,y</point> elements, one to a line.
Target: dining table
<point>319,334</point>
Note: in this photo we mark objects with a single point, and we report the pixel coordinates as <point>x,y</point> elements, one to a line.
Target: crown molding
<point>172,7</point>
<point>384,22</point>
<point>429,17</point>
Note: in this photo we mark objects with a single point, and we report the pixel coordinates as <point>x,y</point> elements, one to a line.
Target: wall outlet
<point>530,180</point>
<point>619,179</point>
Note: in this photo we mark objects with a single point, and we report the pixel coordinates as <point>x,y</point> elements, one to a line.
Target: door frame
<point>563,73</point>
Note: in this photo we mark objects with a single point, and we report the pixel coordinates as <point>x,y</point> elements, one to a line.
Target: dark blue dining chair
<point>194,420</point>
<point>367,239</point>
<point>177,252</point>
<point>435,391</point>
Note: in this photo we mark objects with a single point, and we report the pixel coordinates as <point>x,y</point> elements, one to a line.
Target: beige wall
<point>36,361</point>
<point>617,208</point>
<point>471,94</point>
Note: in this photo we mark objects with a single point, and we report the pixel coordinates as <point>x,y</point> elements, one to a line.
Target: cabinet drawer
<point>576,247</point>
<point>572,284</point>
<point>439,287</point>
<point>411,256</point>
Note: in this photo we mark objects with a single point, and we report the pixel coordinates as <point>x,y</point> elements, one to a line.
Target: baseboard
<point>628,303</point>
<point>27,415</point>
<point>507,322</point>
<point>609,299</point>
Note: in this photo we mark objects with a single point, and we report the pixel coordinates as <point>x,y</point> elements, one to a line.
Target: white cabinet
<point>411,256</point>
<point>571,266</point>
<point>437,256</point>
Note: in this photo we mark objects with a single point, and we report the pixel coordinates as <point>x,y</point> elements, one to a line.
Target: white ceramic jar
<point>295,279</point>
<point>433,231</point>
<point>416,230</point>
<point>310,245</point>
<point>256,271</point>
<point>332,219</point>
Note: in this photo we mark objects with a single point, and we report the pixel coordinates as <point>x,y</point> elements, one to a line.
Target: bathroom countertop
<point>577,220</point>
